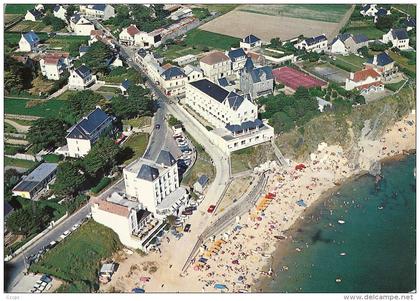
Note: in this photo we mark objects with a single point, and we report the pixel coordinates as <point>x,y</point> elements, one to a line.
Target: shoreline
<point>279,253</point>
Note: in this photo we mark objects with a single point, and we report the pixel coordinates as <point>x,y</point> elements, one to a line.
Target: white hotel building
<point>234,117</point>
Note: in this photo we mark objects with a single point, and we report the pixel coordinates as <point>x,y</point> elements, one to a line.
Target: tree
<point>70,11</point>
<point>83,102</point>
<point>102,157</point>
<point>364,51</point>
<point>281,122</point>
<point>56,23</point>
<point>47,132</point>
<point>360,99</point>
<point>384,23</point>
<point>27,220</point>
<point>98,57</point>
<point>17,75</point>
<point>69,179</point>
<point>275,43</point>
<point>11,178</point>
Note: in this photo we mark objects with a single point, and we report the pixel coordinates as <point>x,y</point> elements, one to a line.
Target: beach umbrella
<point>220,286</point>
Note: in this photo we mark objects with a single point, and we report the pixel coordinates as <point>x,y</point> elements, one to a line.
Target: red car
<point>211,209</point>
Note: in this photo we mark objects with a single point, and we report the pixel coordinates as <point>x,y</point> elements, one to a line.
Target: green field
<point>394,86</point>
<point>318,12</point>
<point>77,259</point>
<point>369,31</point>
<point>19,163</point>
<point>407,8</point>
<point>50,108</point>
<point>211,40</point>
<point>403,61</point>
<point>174,51</point>
<point>18,8</point>
<point>220,8</point>
<point>25,25</point>
<point>118,75</point>
<point>138,143</point>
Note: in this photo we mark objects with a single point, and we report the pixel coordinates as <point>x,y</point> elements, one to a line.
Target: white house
<point>382,64</point>
<point>398,37</point>
<point>28,42</point>
<point>127,35</point>
<point>181,13</point>
<point>381,13</point>
<point>348,43</point>
<point>193,73</point>
<point>81,136</point>
<point>186,59</point>
<point>250,42</point>
<point>80,25</point>
<point>39,7</point>
<point>238,58</point>
<point>155,184</point>
<point>256,81</point>
<point>366,81</point>
<point>134,226</point>
<point>369,10</point>
<point>98,11</point>
<point>81,78</point>
<point>59,11</point>
<point>317,44</point>
<point>52,66</point>
<point>216,65</point>
<point>148,39</point>
<point>33,15</point>
<point>173,81</point>
<point>219,106</point>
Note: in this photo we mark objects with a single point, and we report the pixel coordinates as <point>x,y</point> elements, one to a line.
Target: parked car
<point>187,212</point>
<point>75,227</point>
<point>191,208</point>
<point>157,126</point>
<point>211,208</point>
<point>187,228</point>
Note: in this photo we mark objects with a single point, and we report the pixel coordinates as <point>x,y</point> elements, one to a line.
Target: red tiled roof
<point>51,60</point>
<point>132,30</point>
<point>214,58</point>
<point>376,84</point>
<point>364,74</point>
<point>96,32</point>
<point>112,208</point>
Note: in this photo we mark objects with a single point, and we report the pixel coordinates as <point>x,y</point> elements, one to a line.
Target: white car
<point>75,227</point>
<point>62,236</point>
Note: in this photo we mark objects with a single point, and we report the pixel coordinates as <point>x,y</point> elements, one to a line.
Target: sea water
<point>373,251</point>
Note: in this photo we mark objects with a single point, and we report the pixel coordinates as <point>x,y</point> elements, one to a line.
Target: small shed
<point>201,184</point>
<point>106,272</point>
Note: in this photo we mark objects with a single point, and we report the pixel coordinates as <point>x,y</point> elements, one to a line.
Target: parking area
<point>35,283</point>
<point>185,150</point>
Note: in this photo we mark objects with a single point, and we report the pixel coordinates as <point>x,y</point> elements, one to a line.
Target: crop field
<point>67,43</point>
<point>18,8</point>
<point>25,26</point>
<point>239,24</point>
<point>318,12</point>
<point>210,39</point>
<point>50,108</point>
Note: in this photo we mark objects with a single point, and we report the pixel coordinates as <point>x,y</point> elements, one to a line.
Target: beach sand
<point>245,256</point>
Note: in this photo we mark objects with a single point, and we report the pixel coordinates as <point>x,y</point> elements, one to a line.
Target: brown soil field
<point>240,24</point>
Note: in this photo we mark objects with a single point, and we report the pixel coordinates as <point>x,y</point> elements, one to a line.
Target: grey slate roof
<point>38,175</point>
<point>35,13</point>
<point>251,39</point>
<point>88,124</point>
<point>165,158</point>
<point>258,73</point>
<point>410,22</point>
<point>100,7</point>
<point>126,84</point>
<point>7,209</point>
<point>236,54</point>
<point>343,37</point>
<point>83,71</point>
<point>56,8</point>
<point>315,40</point>
<point>249,65</point>
<point>360,38</point>
<point>211,89</point>
<point>31,37</point>
<point>382,59</point>
<point>172,72</point>
<point>148,173</point>
<point>244,126</point>
<point>223,82</point>
<point>366,7</point>
<point>202,180</point>
<point>400,34</point>
<point>235,100</point>
<point>381,12</point>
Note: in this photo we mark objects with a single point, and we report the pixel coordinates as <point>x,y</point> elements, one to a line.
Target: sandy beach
<point>238,259</point>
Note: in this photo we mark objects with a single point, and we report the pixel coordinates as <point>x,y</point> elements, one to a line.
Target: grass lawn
<point>200,13</point>
<point>394,86</point>
<point>366,27</point>
<point>250,157</point>
<point>350,63</point>
<point>66,95</point>
<point>175,51</point>
<point>50,108</point>
<point>8,128</point>
<point>138,143</point>
<point>202,166</point>
<point>118,75</point>
<point>109,89</point>
<point>22,121</point>
<point>12,149</point>
<point>220,8</point>
<point>138,122</point>
<point>51,158</point>
<point>77,258</point>
<point>318,12</point>
<point>407,8</point>
<point>19,163</point>
<point>212,40</point>
<point>402,61</point>
<point>67,43</point>
<point>18,8</point>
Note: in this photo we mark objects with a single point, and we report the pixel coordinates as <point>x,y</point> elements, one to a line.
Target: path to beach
<point>241,260</point>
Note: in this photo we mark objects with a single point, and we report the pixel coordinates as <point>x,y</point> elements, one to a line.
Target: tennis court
<point>330,73</point>
<point>294,79</point>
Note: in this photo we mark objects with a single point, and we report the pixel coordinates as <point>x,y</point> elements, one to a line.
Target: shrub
<point>101,185</point>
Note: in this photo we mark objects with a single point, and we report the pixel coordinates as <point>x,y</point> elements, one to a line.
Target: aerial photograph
<point>209,148</point>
